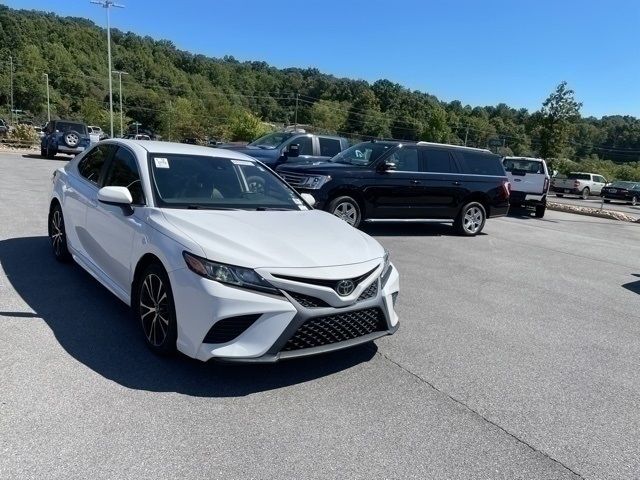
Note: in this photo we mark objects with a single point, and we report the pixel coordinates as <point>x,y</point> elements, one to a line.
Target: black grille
<point>319,331</point>
<point>293,179</point>
<point>308,301</point>
<point>226,330</point>
<point>370,292</point>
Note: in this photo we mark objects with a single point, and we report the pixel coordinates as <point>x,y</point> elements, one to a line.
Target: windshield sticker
<point>297,201</point>
<point>161,162</point>
<point>242,162</point>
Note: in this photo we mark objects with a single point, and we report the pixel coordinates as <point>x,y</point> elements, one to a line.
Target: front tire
<point>540,210</point>
<point>155,309</point>
<point>57,234</point>
<point>347,209</point>
<point>471,219</point>
<point>606,200</point>
<point>559,195</point>
<point>585,193</point>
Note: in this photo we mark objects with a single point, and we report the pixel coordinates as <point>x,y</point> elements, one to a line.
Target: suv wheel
<point>155,310</point>
<point>585,193</point>
<point>347,209</point>
<point>71,139</point>
<point>471,219</point>
<point>634,200</point>
<point>540,209</point>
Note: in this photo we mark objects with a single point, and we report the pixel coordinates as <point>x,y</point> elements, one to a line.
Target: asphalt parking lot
<point>517,357</point>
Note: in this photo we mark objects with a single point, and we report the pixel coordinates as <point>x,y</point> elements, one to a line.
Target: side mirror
<point>307,197</point>
<point>120,196</point>
<point>387,166</point>
<point>293,150</point>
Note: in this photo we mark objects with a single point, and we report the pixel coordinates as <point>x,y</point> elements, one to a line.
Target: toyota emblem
<point>345,287</point>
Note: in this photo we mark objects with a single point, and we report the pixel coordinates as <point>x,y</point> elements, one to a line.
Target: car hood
<point>317,168</point>
<point>255,152</point>
<point>269,239</point>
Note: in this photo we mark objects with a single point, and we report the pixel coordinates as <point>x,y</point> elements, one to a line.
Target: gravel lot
<point>517,357</point>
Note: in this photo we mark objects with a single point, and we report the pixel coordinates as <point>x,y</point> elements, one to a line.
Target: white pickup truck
<point>578,183</point>
<point>529,179</point>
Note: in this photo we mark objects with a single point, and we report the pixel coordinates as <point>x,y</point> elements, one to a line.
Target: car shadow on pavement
<point>522,214</point>
<point>633,286</point>
<point>33,155</point>
<point>97,329</point>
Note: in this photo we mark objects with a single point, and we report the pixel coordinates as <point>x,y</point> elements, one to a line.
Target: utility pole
<point>296,114</point>
<point>46,75</point>
<point>120,73</point>
<point>466,135</point>
<point>107,4</point>
<point>11,85</point>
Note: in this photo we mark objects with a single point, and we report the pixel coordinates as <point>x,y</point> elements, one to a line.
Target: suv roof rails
<point>461,147</point>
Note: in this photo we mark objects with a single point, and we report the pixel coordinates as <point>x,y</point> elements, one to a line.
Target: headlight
<point>228,274</point>
<point>386,268</point>
<point>315,181</point>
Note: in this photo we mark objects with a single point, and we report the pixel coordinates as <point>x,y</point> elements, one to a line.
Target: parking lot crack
<point>481,416</point>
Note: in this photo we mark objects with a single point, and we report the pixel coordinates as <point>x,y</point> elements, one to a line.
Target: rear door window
<point>90,167</point>
<point>329,147</point>
<point>481,163</point>
<point>439,161</point>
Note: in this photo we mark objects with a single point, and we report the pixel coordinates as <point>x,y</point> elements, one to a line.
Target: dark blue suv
<point>64,136</point>
<point>292,147</point>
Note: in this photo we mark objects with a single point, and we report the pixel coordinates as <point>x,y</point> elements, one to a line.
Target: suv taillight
<point>576,184</point>
<point>546,184</point>
<point>506,186</point>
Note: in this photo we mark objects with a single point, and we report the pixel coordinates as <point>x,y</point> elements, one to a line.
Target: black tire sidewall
<point>345,198</point>
<point>65,255</point>
<point>168,347</point>
<point>459,221</point>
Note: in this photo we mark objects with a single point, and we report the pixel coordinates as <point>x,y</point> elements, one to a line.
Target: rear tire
<point>559,195</point>
<point>585,193</point>
<point>606,200</point>
<point>540,209</point>
<point>57,234</point>
<point>43,152</point>
<point>154,308</point>
<point>471,219</point>
<point>347,209</point>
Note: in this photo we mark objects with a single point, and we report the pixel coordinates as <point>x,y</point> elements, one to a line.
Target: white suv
<point>529,179</point>
<point>213,267</point>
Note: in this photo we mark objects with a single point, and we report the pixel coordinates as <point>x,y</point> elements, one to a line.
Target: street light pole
<point>120,73</point>
<point>107,4</point>
<point>46,75</point>
<point>11,85</point>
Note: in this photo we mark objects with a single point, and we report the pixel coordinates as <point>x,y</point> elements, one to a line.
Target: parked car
<point>4,128</point>
<point>578,183</point>
<point>628,192</point>
<point>64,136</point>
<point>398,180</point>
<point>95,133</point>
<point>293,147</point>
<point>529,179</point>
<point>211,268</point>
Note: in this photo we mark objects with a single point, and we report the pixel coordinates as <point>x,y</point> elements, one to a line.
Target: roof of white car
<point>154,146</point>
<point>524,158</point>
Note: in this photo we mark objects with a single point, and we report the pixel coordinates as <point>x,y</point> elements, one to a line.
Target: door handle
<point>415,182</point>
<point>456,183</point>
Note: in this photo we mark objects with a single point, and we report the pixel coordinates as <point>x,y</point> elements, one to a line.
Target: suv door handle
<point>415,182</point>
<point>456,183</point>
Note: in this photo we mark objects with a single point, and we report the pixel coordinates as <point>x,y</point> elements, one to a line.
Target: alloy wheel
<point>154,309</point>
<point>347,212</point>
<point>472,220</point>
<point>634,201</point>
<point>57,232</point>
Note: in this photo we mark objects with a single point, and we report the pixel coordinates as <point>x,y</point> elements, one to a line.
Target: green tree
<point>558,116</point>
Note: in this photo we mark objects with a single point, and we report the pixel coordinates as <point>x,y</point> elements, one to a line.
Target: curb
<point>592,212</point>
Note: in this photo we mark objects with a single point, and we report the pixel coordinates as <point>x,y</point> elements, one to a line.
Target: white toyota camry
<point>216,255</point>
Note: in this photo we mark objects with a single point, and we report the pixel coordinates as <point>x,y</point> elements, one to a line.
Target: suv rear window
<point>329,147</point>
<point>68,126</point>
<point>517,165</point>
<point>579,176</point>
<point>480,163</point>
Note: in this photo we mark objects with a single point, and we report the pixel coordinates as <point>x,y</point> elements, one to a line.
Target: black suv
<point>398,180</point>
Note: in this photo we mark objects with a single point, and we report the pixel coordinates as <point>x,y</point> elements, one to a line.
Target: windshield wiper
<point>273,209</point>
<point>204,207</point>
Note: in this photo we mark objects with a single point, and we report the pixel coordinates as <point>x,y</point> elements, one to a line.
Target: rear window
<point>479,163</point>
<point>329,147</point>
<point>579,176</point>
<point>623,185</point>
<point>68,127</point>
<point>516,165</point>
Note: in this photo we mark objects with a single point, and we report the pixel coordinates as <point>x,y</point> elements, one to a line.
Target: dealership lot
<point>596,202</point>
<point>517,357</point>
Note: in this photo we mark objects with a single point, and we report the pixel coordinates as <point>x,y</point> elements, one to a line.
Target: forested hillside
<point>178,94</point>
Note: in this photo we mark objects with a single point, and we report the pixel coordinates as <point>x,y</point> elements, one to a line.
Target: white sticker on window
<point>161,162</point>
<point>242,162</point>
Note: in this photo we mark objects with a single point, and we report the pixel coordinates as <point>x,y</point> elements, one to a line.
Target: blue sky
<point>479,52</point>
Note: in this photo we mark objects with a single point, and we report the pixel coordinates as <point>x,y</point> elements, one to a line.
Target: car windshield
<point>623,185</point>
<point>65,127</point>
<point>194,181</point>
<point>362,154</point>
<point>272,140</point>
<point>522,165</point>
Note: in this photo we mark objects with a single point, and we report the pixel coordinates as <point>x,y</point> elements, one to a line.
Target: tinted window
<point>521,165</point>
<point>123,172</point>
<point>305,144</point>
<point>479,163</point>
<point>406,159</point>
<point>363,154</point>
<point>329,147</point>
<point>91,165</point>
<point>69,127</point>
<point>579,176</point>
<point>439,161</point>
